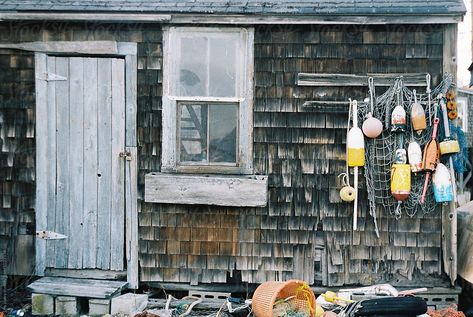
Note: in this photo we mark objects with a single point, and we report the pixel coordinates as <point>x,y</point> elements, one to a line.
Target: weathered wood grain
<point>62,162</point>
<point>76,163</point>
<point>51,168</point>
<point>104,172</point>
<point>208,190</point>
<point>327,80</point>
<point>131,216</point>
<point>77,47</point>
<point>41,161</point>
<point>77,287</point>
<point>117,222</point>
<point>449,214</point>
<point>90,162</point>
<point>86,273</point>
<point>465,236</point>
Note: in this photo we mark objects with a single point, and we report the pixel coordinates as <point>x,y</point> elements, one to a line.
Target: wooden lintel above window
<point>219,190</point>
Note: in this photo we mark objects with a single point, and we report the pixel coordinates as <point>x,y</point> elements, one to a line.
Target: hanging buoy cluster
<point>410,162</point>
<point>451,105</point>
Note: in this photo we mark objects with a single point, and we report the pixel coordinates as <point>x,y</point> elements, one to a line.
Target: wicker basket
<point>267,293</point>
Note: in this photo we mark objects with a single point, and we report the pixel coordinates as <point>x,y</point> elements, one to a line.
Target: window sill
<point>219,190</point>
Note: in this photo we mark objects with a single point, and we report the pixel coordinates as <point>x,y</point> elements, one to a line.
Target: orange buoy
<point>452,114</point>
<point>419,122</point>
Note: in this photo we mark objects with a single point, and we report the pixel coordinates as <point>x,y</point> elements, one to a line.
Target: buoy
<point>356,147</point>
<point>400,181</point>
<point>347,193</point>
<point>414,153</point>
<point>372,127</point>
<point>398,119</point>
<point>449,146</point>
<point>418,116</point>
<point>452,105</point>
<point>452,114</point>
<point>450,95</point>
<point>443,189</point>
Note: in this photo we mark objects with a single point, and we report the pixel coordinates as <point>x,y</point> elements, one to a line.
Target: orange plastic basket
<point>268,293</point>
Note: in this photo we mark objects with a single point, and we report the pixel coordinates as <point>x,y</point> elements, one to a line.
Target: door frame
<point>128,51</point>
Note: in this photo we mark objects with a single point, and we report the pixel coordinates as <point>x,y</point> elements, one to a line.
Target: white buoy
<point>442,183</point>
<point>414,153</point>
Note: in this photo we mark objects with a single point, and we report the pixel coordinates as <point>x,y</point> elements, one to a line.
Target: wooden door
<point>80,135</point>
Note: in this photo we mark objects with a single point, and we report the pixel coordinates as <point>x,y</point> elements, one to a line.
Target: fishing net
<point>380,152</point>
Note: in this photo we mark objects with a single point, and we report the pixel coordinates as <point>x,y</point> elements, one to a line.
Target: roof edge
<point>181,18</point>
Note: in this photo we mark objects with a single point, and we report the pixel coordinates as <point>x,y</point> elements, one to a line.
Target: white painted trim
<point>234,19</point>
<point>219,190</point>
<point>169,159</point>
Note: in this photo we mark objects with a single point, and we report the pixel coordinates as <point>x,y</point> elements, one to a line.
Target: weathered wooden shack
<point>173,142</point>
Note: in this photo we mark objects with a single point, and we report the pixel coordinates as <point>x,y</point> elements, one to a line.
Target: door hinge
<point>126,155</point>
<point>49,235</point>
<point>51,77</point>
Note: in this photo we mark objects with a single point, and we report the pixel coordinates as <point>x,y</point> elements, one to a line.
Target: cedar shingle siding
<point>305,230</point>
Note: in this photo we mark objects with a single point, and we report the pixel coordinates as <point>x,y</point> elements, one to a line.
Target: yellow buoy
<point>401,181</point>
<point>356,147</point>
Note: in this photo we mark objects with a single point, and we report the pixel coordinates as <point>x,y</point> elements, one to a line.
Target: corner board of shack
<point>239,158</point>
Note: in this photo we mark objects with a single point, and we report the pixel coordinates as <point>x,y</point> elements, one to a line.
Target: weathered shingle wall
<point>17,157</point>
<point>303,150</point>
<point>305,231</point>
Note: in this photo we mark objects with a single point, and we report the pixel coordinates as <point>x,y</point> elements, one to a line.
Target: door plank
<point>41,160</point>
<point>62,162</point>
<point>51,168</point>
<point>118,165</point>
<point>104,163</point>
<point>76,166</point>
<point>90,162</point>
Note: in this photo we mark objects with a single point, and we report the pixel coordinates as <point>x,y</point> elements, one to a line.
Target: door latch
<point>126,155</point>
<point>49,235</point>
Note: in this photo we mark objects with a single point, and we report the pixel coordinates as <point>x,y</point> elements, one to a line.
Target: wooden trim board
<point>93,274</point>
<point>242,19</point>
<point>329,80</point>
<point>219,190</point>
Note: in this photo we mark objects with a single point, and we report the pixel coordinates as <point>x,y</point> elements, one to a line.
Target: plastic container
<point>268,293</point>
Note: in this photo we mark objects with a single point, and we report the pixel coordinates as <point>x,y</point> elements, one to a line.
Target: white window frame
<point>170,152</point>
<point>462,108</point>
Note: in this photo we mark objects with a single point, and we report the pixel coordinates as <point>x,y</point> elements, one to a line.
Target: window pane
<point>223,67</point>
<point>193,66</point>
<point>208,133</point>
<point>223,132</point>
<point>193,133</point>
<point>207,65</point>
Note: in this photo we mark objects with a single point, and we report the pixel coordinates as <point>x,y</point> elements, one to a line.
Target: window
<point>207,100</point>
<point>462,108</point>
